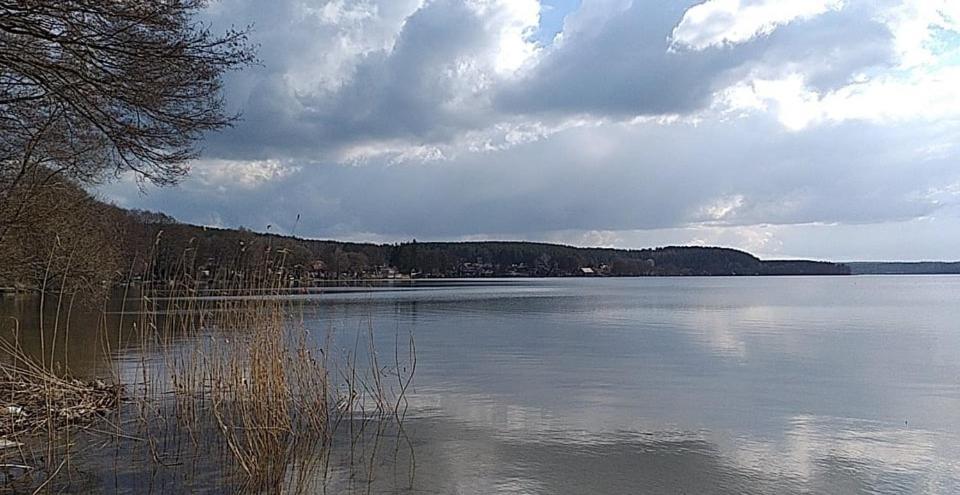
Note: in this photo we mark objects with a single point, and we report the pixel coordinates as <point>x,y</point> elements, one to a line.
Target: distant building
<point>587,271</point>
<point>390,272</point>
<point>478,269</point>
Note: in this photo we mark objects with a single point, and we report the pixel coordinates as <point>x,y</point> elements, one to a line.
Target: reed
<point>227,370</point>
<point>34,397</point>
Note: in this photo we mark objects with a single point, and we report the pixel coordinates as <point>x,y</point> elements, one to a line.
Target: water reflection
<point>740,385</point>
<point>465,457</point>
<point>795,384</point>
<point>80,339</point>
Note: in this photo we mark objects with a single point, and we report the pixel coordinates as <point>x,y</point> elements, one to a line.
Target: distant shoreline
<point>903,268</point>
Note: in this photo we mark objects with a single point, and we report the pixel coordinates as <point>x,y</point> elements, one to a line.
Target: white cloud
<point>444,119</point>
<point>224,174</point>
<point>514,24</point>
<point>919,96</point>
<point>338,12</point>
<point>723,208</point>
<point>914,24</point>
<point>728,22</point>
<point>330,38</point>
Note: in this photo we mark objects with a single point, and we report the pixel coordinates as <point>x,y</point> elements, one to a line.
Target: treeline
<point>215,253</point>
<point>129,89</point>
<point>77,241</point>
<point>61,238</point>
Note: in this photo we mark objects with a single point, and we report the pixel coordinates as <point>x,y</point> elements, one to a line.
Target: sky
<point>825,129</point>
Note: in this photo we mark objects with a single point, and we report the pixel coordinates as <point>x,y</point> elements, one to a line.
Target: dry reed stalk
<point>241,365</point>
<point>31,395</point>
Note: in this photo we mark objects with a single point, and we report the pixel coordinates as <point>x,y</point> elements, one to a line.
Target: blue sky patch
<point>552,14</point>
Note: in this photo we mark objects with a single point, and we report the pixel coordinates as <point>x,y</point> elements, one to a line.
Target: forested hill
<point>211,251</point>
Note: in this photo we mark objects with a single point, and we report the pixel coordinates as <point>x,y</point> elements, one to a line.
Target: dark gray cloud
<point>394,119</point>
<point>383,77</point>
<point>830,48</point>
<point>646,176</point>
<point>624,66</point>
<point>408,91</point>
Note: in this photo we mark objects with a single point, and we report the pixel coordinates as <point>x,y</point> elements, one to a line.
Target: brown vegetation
<point>88,89</point>
<point>34,399</point>
<point>239,379</point>
<point>88,86</point>
<point>64,240</point>
<point>247,364</point>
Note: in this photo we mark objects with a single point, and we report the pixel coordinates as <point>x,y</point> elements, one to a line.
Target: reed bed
<point>40,408</point>
<point>238,378</point>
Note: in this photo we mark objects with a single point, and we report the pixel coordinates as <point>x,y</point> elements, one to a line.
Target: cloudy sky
<point>790,128</point>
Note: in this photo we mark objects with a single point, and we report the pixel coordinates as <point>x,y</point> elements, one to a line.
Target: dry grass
<point>238,374</point>
<point>244,360</point>
<point>39,410</point>
<point>34,399</point>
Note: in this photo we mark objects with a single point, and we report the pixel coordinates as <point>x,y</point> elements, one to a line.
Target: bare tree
<point>70,243</point>
<point>133,81</point>
<point>94,87</point>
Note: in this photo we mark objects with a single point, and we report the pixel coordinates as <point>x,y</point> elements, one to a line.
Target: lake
<point>656,385</point>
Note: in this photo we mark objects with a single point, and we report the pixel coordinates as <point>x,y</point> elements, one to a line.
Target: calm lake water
<point>665,385</point>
